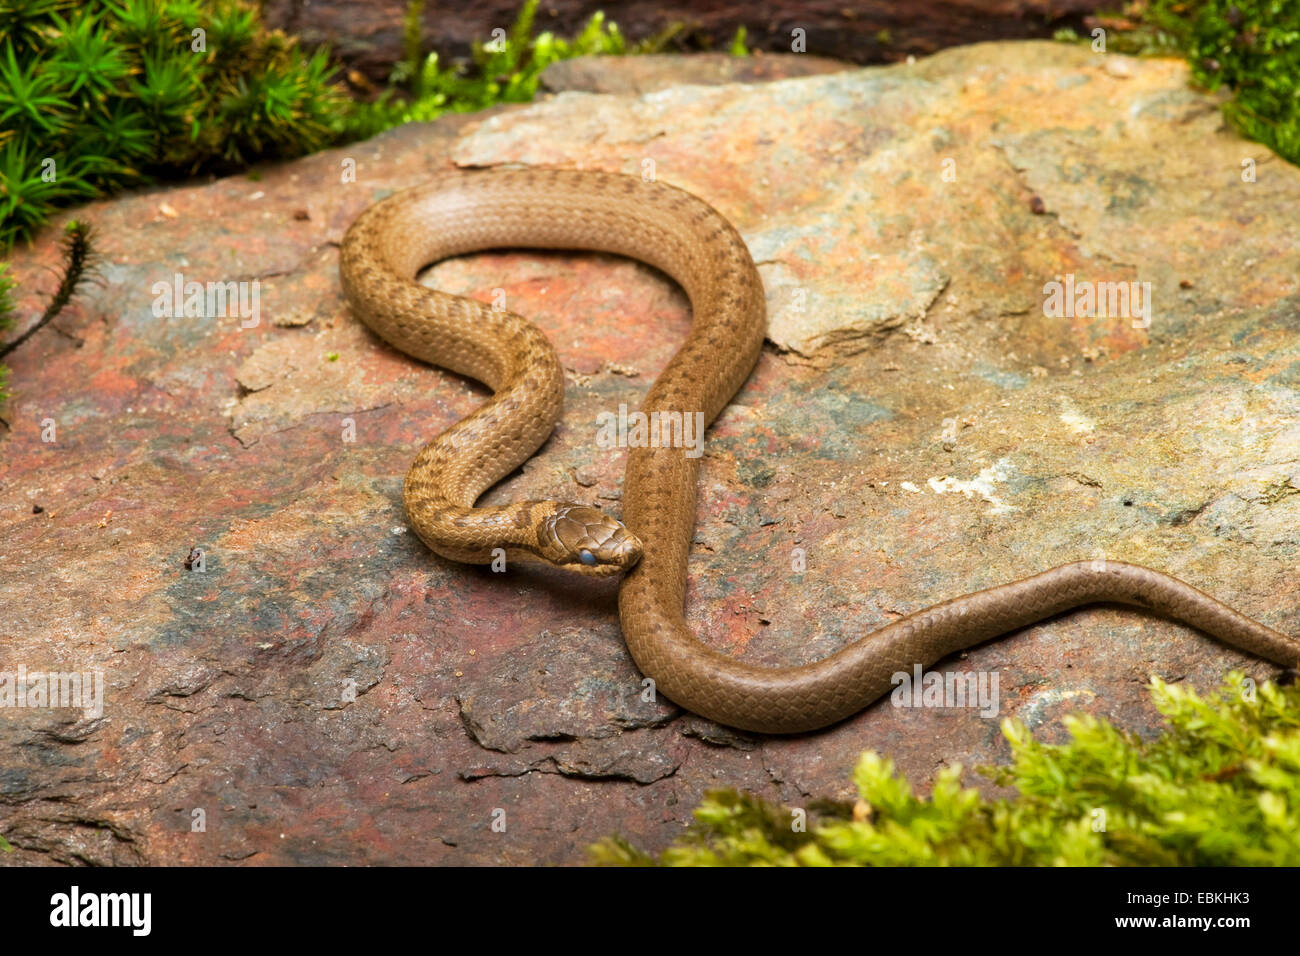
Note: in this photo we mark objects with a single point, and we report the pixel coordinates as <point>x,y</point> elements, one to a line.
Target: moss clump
<point>1220,787</point>
<point>96,96</point>
<point>1251,47</point>
<point>102,95</point>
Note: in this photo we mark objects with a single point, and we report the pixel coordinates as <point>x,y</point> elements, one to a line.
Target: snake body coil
<point>686,238</point>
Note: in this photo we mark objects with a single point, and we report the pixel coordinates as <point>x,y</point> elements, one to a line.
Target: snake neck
<point>556,533</point>
<point>491,534</point>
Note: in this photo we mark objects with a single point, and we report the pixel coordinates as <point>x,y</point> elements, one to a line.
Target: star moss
<point>96,96</point>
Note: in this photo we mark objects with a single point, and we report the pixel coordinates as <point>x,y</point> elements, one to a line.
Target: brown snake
<point>681,235</point>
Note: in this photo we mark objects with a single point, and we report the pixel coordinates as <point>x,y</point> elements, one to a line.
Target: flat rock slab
<point>649,73</point>
<point>206,509</point>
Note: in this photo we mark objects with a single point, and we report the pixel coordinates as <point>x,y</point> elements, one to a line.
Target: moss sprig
<point>507,69</point>
<point>78,268</point>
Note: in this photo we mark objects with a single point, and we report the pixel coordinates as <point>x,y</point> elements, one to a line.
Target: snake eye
<point>586,557</point>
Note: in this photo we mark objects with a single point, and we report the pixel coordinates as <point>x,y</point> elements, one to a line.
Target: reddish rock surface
<point>317,687</point>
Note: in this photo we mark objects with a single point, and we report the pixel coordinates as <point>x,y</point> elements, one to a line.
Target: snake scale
<point>466,211</point>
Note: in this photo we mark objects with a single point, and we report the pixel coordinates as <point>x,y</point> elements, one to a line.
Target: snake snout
<point>588,540</point>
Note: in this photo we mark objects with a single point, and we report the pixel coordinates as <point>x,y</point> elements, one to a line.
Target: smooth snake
<point>468,211</point>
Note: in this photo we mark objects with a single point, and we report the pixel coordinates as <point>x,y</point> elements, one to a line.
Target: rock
<point>207,510</point>
<point>645,74</point>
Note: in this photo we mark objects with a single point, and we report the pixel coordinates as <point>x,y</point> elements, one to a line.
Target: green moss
<point>1251,47</point>
<point>97,96</point>
<point>1220,787</point>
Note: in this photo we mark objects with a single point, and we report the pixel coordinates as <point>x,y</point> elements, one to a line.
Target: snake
<point>462,211</point>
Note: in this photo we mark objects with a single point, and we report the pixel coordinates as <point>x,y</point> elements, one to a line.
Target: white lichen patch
<point>1033,711</point>
<point>1076,421</point>
<point>984,485</point>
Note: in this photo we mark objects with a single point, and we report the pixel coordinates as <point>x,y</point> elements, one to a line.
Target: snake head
<point>587,540</point>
